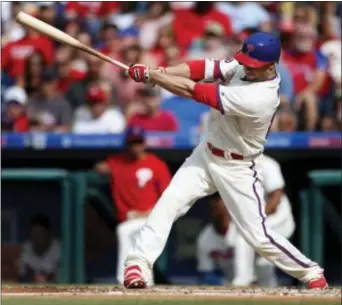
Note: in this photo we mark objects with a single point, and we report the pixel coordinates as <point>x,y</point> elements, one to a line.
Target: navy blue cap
<point>259,50</point>
<point>135,134</point>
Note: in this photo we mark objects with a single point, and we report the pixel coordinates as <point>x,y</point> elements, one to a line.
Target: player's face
<point>136,149</point>
<point>254,74</point>
<point>97,109</point>
<point>14,110</point>
<point>152,103</point>
<point>38,238</point>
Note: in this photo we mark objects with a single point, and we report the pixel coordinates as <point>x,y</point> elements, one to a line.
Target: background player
<point>227,160</point>
<point>215,247</point>
<point>221,236</point>
<point>138,179</point>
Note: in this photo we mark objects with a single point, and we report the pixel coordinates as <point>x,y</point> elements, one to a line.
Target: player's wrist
<point>161,70</point>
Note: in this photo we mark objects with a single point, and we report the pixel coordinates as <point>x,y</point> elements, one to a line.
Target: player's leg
<point>241,190</point>
<point>191,182</point>
<point>126,232</point>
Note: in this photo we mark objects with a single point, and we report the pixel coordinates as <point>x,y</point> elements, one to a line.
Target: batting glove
<point>139,73</point>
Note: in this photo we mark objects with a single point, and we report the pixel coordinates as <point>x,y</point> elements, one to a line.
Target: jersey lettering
<point>143,175</point>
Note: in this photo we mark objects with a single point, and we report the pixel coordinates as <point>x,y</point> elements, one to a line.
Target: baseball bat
<point>52,32</point>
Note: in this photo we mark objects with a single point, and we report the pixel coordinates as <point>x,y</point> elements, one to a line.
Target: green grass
<point>116,301</point>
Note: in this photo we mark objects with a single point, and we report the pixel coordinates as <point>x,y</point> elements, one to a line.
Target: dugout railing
<point>76,186</point>
<point>315,208</point>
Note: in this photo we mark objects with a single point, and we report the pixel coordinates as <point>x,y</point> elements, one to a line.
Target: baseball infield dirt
<point>166,295</point>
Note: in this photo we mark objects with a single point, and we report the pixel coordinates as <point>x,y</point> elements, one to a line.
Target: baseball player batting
<point>244,96</point>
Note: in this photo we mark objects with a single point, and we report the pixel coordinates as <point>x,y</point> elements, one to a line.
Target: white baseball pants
<point>248,268</point>
<point>237,182</point>
<point>126,232</point>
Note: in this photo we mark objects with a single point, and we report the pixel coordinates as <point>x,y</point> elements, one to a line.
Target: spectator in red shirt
<point>190,24</point>
<point>153,118</point>
<point>138,180</point>
<point>14,54</point>
<point>14,117</point>
<point>92,9</point>
<point>308,68</point>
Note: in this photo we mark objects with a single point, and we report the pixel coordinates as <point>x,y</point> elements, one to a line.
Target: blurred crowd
<point>51,87</point>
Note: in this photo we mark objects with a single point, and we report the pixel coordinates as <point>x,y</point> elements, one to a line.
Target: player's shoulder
<point>228,67</point>
<point>154,159</point>
<point>116,159</point>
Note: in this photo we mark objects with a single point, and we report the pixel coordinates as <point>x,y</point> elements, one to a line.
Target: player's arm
<point>208,70</point>
<point>235,100</point>
<point>309,93</point>
<point>273,200</point>
<point>102,167</point>
<point>196,70</point>
<point>203,93</point>
<point>320,73</point>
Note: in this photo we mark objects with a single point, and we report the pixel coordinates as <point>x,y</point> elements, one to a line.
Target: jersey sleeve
<point>204,262</point>
<point>236,101</point>
<point>220,69</point>
<point>273,177</point>
<point>210,70</point>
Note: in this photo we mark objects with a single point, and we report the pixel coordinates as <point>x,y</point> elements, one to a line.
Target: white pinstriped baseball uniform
<point>227,160</point>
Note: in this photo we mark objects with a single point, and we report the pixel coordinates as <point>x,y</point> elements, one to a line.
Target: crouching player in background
<point>220,247</point>
<point>138,179</point>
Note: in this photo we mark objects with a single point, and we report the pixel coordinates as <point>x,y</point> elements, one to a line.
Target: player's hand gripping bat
<point>52,32</point>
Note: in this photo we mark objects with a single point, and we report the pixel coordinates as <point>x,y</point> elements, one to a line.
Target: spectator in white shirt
<point>98,116</point>
<point>246,15</point>
<point>41,253</point>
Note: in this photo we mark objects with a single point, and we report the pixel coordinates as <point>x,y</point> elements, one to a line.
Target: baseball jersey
<point>137,184</point>
<point>216,252</point>
<point>46,263</point>
<point>246,109</point>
